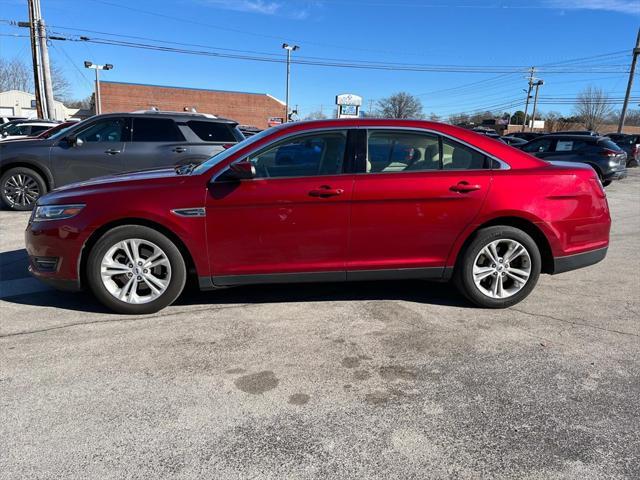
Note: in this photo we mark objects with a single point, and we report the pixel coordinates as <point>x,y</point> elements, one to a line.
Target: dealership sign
<point>348,105</point>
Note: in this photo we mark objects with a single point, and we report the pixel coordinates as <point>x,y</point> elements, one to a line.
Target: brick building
<point>253,109</point>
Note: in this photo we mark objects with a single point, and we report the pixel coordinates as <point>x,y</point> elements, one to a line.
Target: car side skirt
<point>431,273</point>
<point>579,260</point>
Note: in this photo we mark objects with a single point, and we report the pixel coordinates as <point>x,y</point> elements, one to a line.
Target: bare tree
<point>317,115</point>
<point>16,74</point>
<point>434,117</point>
<point>400,105</point>
<point>592,107</point>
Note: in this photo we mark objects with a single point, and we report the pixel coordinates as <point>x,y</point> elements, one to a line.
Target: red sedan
<point>334,200</point>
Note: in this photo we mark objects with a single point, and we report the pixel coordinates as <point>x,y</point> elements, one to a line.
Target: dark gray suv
<point>607,159</point>
<point>109,144</point>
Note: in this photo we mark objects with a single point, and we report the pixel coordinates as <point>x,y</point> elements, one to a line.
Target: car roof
<point>178,116</point>
<point>574,136</point>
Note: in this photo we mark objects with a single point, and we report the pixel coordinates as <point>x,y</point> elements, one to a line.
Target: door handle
<point>179,150</point>
<point>465,187</point>
<point>326,191</point>
<point>112,151</point>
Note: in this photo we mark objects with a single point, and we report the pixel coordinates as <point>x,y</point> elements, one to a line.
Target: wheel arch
<point>39,169</point>
<point>134,221</point>
<point>527,226</point>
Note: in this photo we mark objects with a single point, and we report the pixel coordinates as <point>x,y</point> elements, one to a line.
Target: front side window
<point>107,130</point>
<point>155,130</point>
<point>389,151</point>
<point>538,146</point>
<point>303,156</point>
<point>36,129</point>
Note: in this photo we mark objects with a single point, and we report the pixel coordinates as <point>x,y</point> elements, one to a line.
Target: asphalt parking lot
<point>399,380</point>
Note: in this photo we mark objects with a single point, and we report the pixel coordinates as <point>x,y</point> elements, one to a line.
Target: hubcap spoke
<point>502,268</point>
<point>135,271</point>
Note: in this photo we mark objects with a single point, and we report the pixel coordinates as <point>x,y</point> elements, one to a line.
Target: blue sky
<point>480,33</point>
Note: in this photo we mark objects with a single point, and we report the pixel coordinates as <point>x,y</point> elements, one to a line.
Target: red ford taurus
<point>335,200</point>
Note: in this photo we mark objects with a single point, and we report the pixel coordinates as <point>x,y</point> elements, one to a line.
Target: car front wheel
<point>134,269</point>
<point>499,268</point>
<point>21,187</point>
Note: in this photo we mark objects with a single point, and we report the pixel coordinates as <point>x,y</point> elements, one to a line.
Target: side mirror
<point>242,170</point>
<point>5,134</point>
<point>74,141</point>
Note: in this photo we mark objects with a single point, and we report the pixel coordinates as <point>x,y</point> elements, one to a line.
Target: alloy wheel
<point>21,190</point>
<point>135,271</point>
<point>502,268</point>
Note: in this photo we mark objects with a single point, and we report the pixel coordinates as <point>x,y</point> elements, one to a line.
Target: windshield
<point>216,159</point>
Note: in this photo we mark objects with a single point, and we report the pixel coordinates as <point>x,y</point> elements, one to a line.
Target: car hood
<point>108,180</point>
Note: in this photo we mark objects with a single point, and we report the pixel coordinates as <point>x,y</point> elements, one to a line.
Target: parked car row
<point>108,144</point>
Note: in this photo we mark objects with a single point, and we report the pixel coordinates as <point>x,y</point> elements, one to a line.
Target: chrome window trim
<point>503,165</point>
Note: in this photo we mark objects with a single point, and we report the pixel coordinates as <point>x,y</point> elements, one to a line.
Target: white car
<point>25,129</point>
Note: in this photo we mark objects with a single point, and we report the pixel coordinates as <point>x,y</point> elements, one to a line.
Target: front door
<point>98,151</point>
<point>418,193</point>
<point>291,221</point>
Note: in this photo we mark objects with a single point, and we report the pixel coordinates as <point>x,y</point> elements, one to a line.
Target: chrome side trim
<point>189,212</point>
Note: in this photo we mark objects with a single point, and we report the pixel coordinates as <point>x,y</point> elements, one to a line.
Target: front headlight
<point>56,212</point>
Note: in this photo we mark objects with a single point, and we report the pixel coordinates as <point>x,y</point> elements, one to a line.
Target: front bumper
<point>579,260</point>
<point>59,245</point>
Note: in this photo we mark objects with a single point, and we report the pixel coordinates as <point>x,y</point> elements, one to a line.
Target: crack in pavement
<point>574,323</point>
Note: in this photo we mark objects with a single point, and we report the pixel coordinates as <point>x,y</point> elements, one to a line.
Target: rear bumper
<point>579,260</point>
<point>617,174</point>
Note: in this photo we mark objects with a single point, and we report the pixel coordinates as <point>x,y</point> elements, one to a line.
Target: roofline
<point>191,88</point>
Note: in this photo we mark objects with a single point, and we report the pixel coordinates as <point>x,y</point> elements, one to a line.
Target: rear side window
<point>456,156</point>
<point>156,130</point>
<point>609,144</point>
<point>571,145</point>
<point>400,151</point>
<point>537,146</point>
<point>212,131</point>
<point>36,129</point>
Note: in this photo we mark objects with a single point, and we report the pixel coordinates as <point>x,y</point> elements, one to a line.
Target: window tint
<point>609,144</point>
<point>36,129</point>
<point>456,156</point>
<point>156,130</point>
<point>389,151</point>
<point>107,130</point>
<point>212,131</point>
<point>536,146</point>
<point>304,156</point>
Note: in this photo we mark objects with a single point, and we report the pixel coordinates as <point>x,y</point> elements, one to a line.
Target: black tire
<point>606,183</point>
<point>463,276</point>
<point>25,176</point>
<point>112,237</point>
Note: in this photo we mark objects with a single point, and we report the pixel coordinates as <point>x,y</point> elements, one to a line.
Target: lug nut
<point>139,278</point>
<point>493,265</point>
<point>139,263</point>
<point>129,275</point>
<point>131,265</point>
<point>145,271</point>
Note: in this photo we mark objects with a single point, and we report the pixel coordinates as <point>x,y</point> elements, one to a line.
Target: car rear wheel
<point>21,187</point>
<point>134,269</point>
<point>499,268</point>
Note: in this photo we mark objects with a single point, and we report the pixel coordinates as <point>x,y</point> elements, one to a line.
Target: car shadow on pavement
<point>13,270</point>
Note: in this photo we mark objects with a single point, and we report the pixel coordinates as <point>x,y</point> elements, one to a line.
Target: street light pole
<point>289,49</point>
<point>532,70</point>
<point>632,72</point>
<point>97,68</point>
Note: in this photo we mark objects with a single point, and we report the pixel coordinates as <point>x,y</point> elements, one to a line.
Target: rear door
<point>541,147</point>
<point>417,194</point>
<point>98,152</point>
<point>155,143</point>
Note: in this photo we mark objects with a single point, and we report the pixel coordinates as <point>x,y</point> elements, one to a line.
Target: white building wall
<point>22,104</point>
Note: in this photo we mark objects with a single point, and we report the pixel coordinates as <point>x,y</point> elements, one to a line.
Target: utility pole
<point>532,70</point>
<point>632,71</point>
<point>97,68</point>
<point>46,68</point>
<point>289,49</point>
<point>35,54</point>
<point>537,84</point>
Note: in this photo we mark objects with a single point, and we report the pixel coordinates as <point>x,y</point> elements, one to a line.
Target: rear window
<point>212,131</point>
<point>156,130</point>
<point>609,144</point>
<point>622,139</point>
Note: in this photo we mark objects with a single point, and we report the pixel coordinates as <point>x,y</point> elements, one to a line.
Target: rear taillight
<point>608,153</point>
<point>635,150</point>
<point>595,180</point>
